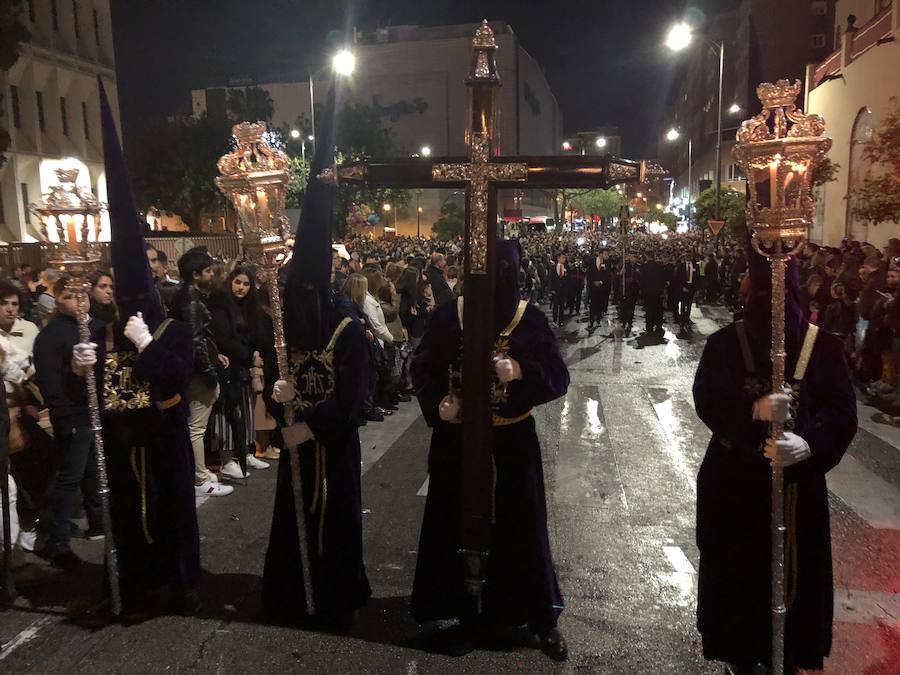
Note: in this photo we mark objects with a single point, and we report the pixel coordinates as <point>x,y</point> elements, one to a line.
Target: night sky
<point>604,59</point>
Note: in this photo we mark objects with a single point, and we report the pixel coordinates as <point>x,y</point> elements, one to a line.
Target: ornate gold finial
<point>249,132</point>
<point>780,94</point>
<point>66,175</point>
<point>484,37</point>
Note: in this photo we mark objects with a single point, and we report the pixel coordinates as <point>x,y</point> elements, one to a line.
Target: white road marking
<point>678,560</point>
<point>865,607</point>
<point>684,576</point>
<point>423,491</point>
<point>888,433</point>
<point>871,497</point>
<point>25,636</point>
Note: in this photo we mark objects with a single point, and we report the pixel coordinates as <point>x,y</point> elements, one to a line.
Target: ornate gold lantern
<point>254,177</point>
<point>778,150</point>
<point>70,225</point>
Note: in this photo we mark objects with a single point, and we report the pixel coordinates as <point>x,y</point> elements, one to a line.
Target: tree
<point>251,104</point>
<point>174,167</point>
<point>13,32</point>
<point>602,203</point>
<point>733,211</point>
<point>825,172</point>
<point>877,199</point>
<point>452,222</point>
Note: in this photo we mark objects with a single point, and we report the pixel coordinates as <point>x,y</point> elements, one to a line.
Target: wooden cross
<point>481,175</point>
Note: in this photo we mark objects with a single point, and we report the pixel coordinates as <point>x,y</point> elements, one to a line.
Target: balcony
<point>877,30</point>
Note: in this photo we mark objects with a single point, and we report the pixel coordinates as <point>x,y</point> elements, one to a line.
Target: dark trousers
<point>557,306</point>
<point>685,301</point>
<point>653,308</point>
<point>77,474</point>
<point>599,303</point>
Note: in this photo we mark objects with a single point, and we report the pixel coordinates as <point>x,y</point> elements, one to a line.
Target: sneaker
<point>256,463</point>
<point>212,489</point>
<point>232,470</point>
<point>66,560</point>
<point>270,452</point>
<point>94,534</point>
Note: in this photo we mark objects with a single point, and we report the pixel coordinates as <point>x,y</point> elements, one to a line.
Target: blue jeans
<point>77,473</point>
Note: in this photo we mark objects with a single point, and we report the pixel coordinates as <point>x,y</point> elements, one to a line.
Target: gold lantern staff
<point>70,224</point>
<point>254,177</point>
<point>778,150</point>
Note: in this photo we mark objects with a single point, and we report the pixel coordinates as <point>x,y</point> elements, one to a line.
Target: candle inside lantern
<point>773,182</point>
<point>71,236</point>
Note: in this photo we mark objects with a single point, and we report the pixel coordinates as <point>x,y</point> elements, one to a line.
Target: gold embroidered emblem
<point>121,391</point>
<point>313,377</point>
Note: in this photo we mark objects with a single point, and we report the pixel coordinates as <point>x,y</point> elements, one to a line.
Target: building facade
<point>51,106</point>
<point>764,41</point>
<point>416,76</point>
<point>852,89</point>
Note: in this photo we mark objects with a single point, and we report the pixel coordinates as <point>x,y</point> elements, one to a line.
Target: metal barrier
<point>226,246</point>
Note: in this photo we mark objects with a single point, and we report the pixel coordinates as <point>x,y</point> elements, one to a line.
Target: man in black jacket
<point>439,286</point>
<point>188,305</point>
<point>653,285</point>
<point>599,286</point>
<point>685,286</point>
<point>65,396</point>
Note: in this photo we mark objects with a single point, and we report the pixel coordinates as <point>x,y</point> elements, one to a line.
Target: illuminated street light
<point>344,62</point>
<point>601,142</point>
<point>640,195</point>
<point>673,134</point>
<point>386,208</point>
<point>734,109</point>
<point>295,134</point>
<point>425,151</point>
<point>566,146</point>
<point>679,37</point>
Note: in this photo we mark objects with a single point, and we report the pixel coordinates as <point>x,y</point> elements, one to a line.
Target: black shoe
<point>391,407</point>
<point>374,416</point>
<point>66,560</point>
<point>553,644</point>
<point>94,534</point>
<point>455,641</point>
<point>404,398</point>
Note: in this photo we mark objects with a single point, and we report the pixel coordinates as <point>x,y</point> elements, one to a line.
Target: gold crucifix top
<point>480,172</point>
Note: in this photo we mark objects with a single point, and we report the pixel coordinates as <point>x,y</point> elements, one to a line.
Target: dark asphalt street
<point>621,453</point>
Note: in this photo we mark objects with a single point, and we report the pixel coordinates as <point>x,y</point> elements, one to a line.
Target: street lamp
<point>343,63</point>
<point>601,142</point>
<point>734,109</point>
<point>425,151</point>
<point>673,135</point>
<point>295,134</point>
<point>678,39</point>
<point>566,146</point>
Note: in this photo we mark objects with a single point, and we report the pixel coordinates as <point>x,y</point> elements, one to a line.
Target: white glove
<point>84,357</point>
<point>136,330</point>
<point>449,409</point>
<point>13,373</point>
<point>787,450</point>
<point>283,392</point>
<point>297,434</point>
<point>773,408</point>
<point>508,370</point>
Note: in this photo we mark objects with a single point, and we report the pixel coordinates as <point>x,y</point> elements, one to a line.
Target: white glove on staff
<point>84,357</point>
<point>136,330</point>
<point>787,450</point>
<point>283,391</point>
<point>449,409</point>
<point>508,370</point>
<point>773,408</point>
<point>297,434</point>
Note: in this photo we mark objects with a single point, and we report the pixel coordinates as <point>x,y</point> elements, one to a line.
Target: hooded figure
<point>521,579</point>
<point>143,367</point>
<point>731,394</point>
<point>328,386</point>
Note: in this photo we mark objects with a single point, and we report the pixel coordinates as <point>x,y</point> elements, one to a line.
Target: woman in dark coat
<point>734,482</point>
<point>521,580</point>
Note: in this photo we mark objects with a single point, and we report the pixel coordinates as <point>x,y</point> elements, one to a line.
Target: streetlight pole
<point>690,179</point>
<point>719,134</point>
<point>312,113</point>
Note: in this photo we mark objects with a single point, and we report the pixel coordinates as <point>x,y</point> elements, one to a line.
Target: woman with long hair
<point>356,288</point>
<point>102,297</point>
<point>235,324</point>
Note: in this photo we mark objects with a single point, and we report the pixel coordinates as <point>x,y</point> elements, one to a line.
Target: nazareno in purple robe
<point>734,487</point>
<point>339,577</point>
<point>150,466</point>
<point>521,580</point>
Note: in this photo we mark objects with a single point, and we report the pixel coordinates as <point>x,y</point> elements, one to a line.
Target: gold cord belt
<point>321,490</point>
<point>141,477</point>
